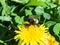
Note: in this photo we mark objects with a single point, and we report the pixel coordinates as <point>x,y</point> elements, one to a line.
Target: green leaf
<point>50,5</point>
<point>54,1</point>
<point>10,10</point>
<point>46,16</point>
<point>58,2</point>
<point>39,10</point>
<point>28,12</point>
<point>21,1</point>
<point>50,23</point>
<point>22,20</point>
<point>5,18</point>
<point>56,29</point>
<point>13,14</point>
<point>3,42</point>
<point>5,7</point>
<point>19,19</point>
<point>0,9</point>
<point>36,3</point>
<point>58,8</point>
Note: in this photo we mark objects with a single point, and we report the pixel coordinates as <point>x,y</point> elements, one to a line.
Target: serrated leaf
<point>46,16</point>
<point>50,23</point>
<point>39,10</point>
<point>56,29</point>
<point>28,12</point>
<point>19,19</point>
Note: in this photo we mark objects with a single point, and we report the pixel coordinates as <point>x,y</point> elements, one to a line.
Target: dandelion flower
<point>34,35</point>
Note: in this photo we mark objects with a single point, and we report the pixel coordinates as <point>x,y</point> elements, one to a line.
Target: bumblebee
<point>31,20</point>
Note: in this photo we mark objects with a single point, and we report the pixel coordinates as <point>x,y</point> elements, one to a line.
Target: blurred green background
<point>14,13</point>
